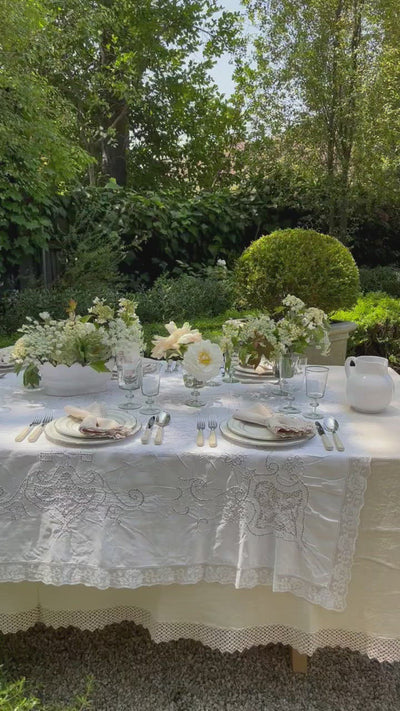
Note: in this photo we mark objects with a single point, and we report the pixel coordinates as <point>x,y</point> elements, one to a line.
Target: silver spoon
<point>332,426</point>
<point>162,420</point>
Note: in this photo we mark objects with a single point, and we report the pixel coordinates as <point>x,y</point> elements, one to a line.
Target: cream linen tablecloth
<point>230,618</point>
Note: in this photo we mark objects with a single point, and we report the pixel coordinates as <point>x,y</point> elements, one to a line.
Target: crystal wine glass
<point>150,389</point>
<point>316,377</point>
<point>129,379</point>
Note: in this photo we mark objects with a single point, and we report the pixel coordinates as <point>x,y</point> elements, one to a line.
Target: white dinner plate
<point>249,430</point>
<point>69,426</point>
<point>260,443</point>
<point>54,436</point>
<point>249,370</point>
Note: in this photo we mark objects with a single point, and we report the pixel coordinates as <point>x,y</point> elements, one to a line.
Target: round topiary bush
<point>316,268</point>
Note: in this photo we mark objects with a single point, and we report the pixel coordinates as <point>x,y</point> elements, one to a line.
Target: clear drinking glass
<point>316,377</point>
<point>150,389</point>
<point>290,381</point>
<point>129,379</point>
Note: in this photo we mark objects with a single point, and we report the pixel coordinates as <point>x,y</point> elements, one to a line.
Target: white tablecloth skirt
<point>233,619</point>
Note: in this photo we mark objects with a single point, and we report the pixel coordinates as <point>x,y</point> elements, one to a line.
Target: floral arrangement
<point>175,344</point>
<point>203,360</point>
<point>90,340</point>
<point>293,329</point>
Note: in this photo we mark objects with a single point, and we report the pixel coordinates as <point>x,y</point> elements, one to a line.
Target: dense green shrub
<point>385,279</point>
<point>181,298</point>
<point>378,332</point>
<point>185,297</point>
<point>316,268</point>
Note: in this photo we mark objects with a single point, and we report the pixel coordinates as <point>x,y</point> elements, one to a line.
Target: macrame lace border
<point>226,640</point>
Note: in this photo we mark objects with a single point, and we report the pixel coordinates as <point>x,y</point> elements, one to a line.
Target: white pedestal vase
<point>76,379</point>
<point>338,335</point>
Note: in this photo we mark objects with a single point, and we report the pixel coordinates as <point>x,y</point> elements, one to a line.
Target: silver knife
<point>325,441</point>
<point>147,433</point>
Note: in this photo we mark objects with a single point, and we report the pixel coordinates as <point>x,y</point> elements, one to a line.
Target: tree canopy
<point>321,90</point>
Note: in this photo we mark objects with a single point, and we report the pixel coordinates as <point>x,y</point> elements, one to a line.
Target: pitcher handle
<point>349,363</point>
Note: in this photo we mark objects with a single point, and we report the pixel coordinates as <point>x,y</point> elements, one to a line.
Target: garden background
<point>125,170</point>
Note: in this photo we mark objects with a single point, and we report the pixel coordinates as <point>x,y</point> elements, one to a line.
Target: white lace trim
<point>226,640</point>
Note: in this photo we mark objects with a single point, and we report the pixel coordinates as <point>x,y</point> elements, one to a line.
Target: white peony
<point>203,360</point>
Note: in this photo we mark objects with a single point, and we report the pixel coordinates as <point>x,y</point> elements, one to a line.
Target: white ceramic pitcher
<point>369,385</point>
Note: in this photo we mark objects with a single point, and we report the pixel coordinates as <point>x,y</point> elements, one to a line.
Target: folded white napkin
<point>93,424</point>
<point>280,424</point>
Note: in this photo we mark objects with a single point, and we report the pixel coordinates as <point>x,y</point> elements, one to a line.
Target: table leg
<point>299,661</point>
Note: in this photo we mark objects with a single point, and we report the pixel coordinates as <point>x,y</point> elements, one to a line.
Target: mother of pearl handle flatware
<point>38,431</point>
<point>212,440</point>
<point>147,433</point>
<point>21,436</point>
<point>162,421</point>
<point>325,441</point>
<point>332,426</point>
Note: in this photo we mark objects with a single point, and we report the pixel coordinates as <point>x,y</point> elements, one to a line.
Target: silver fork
<point>38,431</point>
<point>21,436</point>
<point>212,426</point>
<point>201,426</point>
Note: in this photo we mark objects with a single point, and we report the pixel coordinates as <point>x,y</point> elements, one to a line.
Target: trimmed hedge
<point>314,267</point>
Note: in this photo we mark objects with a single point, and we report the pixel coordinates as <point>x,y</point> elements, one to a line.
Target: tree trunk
<point>115,147</point>
<point>332,123</point>
<point>115,120</point>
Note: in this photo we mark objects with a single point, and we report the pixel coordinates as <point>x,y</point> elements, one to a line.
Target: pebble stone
<point>132,673</point>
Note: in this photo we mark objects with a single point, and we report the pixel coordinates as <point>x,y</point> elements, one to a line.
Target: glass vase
<point>231,361</point>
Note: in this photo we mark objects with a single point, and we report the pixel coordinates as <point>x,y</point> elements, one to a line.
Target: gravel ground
<point>131,673</point>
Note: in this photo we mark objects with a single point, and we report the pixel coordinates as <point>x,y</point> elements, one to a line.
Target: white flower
<point>44,315</point>
<point>178,337</point>
<point>221,263</point>
<point>203,360</point>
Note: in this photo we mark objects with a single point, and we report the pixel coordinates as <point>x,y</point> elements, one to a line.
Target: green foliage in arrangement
<point>385,279</point>
<point>378,332</point>
<point>314,267</point>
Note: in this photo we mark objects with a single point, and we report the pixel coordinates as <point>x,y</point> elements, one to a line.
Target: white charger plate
<point>54,436</point>
<point>260,443</point>
<point>69,426</point>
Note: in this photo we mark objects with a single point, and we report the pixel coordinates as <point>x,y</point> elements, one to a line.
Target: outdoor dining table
<point>232,546</point>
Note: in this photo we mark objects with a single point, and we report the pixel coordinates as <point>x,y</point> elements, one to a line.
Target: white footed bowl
<point>76,379</point>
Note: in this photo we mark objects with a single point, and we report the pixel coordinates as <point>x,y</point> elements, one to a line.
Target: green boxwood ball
<point>316,268</point>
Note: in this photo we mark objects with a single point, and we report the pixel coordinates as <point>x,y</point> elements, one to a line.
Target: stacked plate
<point>246,374</point>
<point>250,435</point>
<point>65,430</point>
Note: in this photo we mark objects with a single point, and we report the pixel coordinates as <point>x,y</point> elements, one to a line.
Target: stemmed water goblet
<point>129,378</point>
<point>150,389</point>
<point>290,380</point>
<point>316,378</point>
